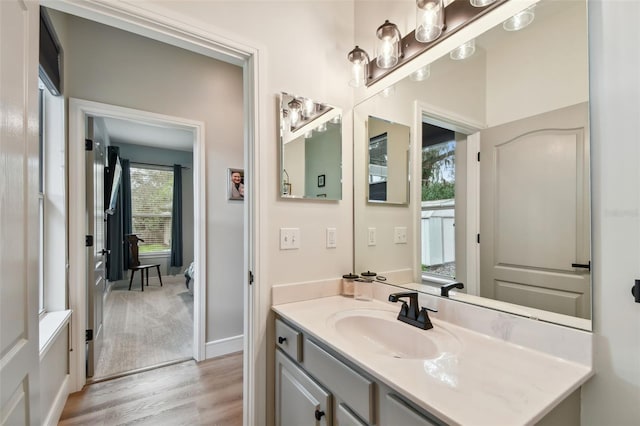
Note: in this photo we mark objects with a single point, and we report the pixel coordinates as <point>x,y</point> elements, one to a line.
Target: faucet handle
<point>423,318</point>
<point>444,289</point>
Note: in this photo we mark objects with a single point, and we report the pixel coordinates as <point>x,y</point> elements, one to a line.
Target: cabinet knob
<point>281,339</point>
<point>319,414</point>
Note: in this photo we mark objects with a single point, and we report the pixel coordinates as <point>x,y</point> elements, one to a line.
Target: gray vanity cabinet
<point>311,379</point>
<point>299,399</point>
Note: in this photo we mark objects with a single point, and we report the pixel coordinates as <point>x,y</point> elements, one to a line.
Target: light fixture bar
<point>458,14</point>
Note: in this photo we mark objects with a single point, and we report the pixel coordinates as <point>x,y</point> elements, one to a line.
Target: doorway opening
<point>142,320</point>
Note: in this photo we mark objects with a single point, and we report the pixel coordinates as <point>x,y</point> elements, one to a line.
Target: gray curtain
<point>176,218</point>
<point>126,211</point>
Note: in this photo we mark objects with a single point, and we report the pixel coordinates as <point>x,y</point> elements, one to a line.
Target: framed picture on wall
<point>235,184</point>
<point>320,181</point>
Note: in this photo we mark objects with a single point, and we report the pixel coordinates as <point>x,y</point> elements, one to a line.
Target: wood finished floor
<point>143,329</point>
<point>188,393</point>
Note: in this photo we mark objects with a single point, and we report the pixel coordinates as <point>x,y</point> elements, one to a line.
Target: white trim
<point>224,346</point>
<point>473,215</point>
<point>78,110</point>
<point>53,416</point>
<point>51,325</point>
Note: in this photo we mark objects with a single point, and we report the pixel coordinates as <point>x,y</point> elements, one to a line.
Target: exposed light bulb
<point>429,20</point>
<point>309,107</point>
<point>388,45</point>
<point>359,67</point>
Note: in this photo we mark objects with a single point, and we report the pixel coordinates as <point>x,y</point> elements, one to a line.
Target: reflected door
<point>534,218</point>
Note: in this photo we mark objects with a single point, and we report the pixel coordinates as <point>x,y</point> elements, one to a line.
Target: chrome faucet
<point>412,314</point>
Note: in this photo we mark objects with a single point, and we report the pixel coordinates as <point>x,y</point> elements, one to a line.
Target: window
<point>151,207</point>
<point>438,202</point>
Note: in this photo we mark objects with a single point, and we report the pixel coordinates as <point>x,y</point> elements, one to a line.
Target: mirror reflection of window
<point>378,162</point>
<point>438,202</point>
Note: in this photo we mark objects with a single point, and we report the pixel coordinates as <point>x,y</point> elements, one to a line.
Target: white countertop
<point>485,381</point>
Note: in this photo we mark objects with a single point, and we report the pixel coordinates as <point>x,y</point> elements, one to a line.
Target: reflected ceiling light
<point>463,51</point>
<point>388,91</point>
<point>520,20</point>
<point>359,67</point>
<point>335,120</point>
<point>421,74</point>
<point>388,48</point>
<point>429,20</point>
<point>308,135</point>
<point>481,3</point>
<point>322,127</point>
<point>294,111</point>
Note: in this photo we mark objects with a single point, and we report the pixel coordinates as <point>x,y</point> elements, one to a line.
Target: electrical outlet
<point>371,237</point>
<point>331,238</point>
<point>289,238</point>
<point>400,235</point>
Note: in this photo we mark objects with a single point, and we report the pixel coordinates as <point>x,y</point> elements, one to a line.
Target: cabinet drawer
<point>289,340</point>
<point>355,390</point>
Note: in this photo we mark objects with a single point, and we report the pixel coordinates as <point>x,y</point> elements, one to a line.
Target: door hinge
<point>250,277</point>
<point>478,156</point>
<point>478,238</point>
<point>88,145</point>
<point>88,335</point>
<point>88,240</point>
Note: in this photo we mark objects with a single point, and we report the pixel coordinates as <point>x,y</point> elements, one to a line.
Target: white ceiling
<point>158,136</point>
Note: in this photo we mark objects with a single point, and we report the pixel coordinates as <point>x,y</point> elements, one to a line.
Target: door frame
<point>79,110</point>
<point>133,18</point>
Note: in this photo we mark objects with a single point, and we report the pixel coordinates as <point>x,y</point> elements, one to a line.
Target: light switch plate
<point>400,235</point>
<point>371,236</point>
<point>331,238</point>
<point>289,238</point>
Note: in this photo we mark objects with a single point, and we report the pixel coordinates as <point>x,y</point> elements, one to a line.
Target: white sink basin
<point>380,332</point>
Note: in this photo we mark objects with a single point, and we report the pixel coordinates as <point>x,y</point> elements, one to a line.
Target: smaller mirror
<point>310,149</point>
<point>388,162</point>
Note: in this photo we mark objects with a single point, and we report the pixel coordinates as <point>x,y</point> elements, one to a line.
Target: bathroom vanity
<point>341,361</point>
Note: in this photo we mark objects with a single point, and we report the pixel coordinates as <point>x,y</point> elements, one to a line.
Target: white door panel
<point>19,229</point>
<point>534,220</point>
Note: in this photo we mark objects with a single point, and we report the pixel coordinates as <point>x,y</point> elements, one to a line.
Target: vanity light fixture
<point>463,51</point>
<point>429,20</point>
<point>294,112</point>
<point>393,51</point>
<point>388,48</point>
<point>520,20</point>
<point>359,67</point>
<point>421,74</point>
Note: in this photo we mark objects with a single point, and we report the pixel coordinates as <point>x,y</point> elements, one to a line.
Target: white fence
<point>438,232</point>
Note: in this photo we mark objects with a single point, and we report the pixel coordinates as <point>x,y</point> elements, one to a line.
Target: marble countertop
<point>483,381</point>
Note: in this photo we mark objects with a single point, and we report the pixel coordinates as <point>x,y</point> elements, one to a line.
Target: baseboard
<point>224,346</point>
<point>53,416</point>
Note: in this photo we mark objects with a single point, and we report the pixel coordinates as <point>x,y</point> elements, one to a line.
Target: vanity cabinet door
<point>345,417</point>
<point>300,401</point>
<point>395,411</point>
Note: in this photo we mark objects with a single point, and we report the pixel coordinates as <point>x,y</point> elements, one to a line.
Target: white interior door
<point>534,212</point>
<point>96,225</point>
<point>19,230</point>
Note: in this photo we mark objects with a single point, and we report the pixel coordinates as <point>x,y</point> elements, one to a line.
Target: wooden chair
<point>135,265</point>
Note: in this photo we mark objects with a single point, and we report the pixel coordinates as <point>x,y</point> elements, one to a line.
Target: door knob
<point>104,251</point>
<point>635,290</point>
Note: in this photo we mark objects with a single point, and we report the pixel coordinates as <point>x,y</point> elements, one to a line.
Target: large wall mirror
<point>499,173</point>
<point>310,149</point>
